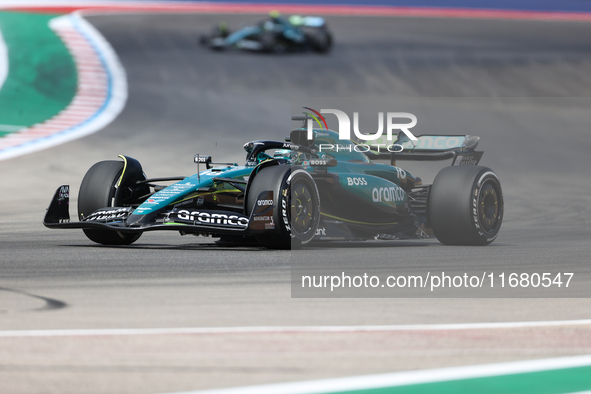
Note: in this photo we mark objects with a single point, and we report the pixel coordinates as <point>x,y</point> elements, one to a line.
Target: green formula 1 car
<point>288,194</point>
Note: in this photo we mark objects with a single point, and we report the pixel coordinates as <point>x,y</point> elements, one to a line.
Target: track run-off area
<point>180,314</point>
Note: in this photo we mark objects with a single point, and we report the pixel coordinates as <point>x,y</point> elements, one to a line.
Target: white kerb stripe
<point>406,378</point>
<point>3,60</point>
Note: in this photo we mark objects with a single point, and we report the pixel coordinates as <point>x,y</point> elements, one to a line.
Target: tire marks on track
<point>50,304</point>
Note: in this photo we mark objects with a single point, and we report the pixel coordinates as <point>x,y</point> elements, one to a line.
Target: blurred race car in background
<point>274,35</point>
<point>290,193</point>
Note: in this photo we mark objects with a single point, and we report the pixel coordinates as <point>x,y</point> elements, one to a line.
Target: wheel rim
<point>489,207</point>
<point>302,209</point>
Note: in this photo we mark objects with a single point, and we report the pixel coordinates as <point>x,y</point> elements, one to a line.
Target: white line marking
<point>406,378</point>
<point>286,329</point>
<point>3,61</point>
<point>10,127</point>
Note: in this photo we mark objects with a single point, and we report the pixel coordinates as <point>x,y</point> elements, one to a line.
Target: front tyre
<point>297,206</point>
<point>465,205</point>
<point>98,191</point>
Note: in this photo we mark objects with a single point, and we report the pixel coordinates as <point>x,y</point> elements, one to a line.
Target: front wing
<point>188,221</point>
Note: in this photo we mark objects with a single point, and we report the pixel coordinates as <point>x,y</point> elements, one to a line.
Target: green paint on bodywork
<point>188,188</point>
<point>373,189</point>
<point>42,78</point>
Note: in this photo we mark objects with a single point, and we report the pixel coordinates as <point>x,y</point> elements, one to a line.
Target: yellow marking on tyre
<point>124,168</point>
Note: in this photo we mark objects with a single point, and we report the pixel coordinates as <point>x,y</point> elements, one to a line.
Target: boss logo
<point>356,181</point>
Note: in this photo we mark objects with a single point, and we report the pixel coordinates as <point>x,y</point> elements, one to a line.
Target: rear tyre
<point>98,191</point>
<point>465,205</point>
<point>297,206</point>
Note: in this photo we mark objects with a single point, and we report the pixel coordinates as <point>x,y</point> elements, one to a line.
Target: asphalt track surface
<point>483,77</point>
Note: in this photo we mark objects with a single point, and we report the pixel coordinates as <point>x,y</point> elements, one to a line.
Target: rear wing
<point>427,147</point>
<point>308,21</point>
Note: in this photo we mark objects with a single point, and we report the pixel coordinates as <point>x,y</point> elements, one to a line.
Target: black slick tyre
<point>297,206</point>
<point>320,40</point>
<point>465,205</point>
<point>98,191</point>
